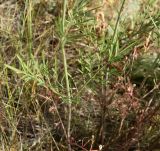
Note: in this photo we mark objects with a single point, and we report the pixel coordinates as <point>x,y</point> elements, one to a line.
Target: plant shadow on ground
<point>80,75</point>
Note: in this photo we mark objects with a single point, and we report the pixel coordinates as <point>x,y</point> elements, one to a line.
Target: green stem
<point>63,41</point>
<point>29,22</point>
<point>115,35</point>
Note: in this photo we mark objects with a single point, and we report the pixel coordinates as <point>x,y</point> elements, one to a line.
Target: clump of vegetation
<point>79,75</point>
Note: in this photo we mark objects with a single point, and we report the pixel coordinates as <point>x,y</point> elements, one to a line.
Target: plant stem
<point>63,40</point>
<point>115,34</point>
<point>29,23</point>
